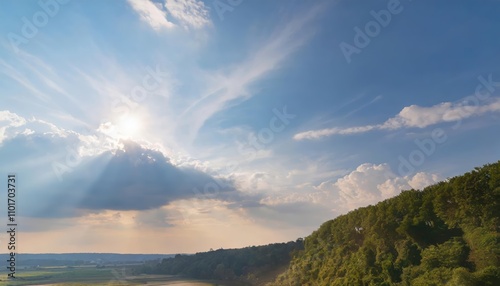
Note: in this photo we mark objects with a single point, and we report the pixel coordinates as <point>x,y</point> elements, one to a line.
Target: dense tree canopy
<point>446,234</point>
<point>228,264</point>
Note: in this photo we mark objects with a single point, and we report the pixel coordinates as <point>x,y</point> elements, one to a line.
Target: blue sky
<point>208,124</point>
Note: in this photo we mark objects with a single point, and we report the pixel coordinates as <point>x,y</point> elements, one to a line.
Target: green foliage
<point>435,277</point>
<point>461,276</point>
<point>451,254</point>
<point>446,234</point>
<point>229,264</point>
<point>488,276</point>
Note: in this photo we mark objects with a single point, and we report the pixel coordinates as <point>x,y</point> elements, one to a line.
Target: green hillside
<point>446,234</point>
<point>250,265</point>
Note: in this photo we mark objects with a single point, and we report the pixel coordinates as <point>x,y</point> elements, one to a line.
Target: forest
<point>229,264</point>
<point>445,234</point>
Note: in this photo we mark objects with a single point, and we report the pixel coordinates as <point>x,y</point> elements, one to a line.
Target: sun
<point>129,126</point>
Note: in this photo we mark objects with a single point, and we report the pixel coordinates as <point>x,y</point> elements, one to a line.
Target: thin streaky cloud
<point>228,89</point>
<point>45,73</point>
<point>17,76</point>
<point>377,98</point>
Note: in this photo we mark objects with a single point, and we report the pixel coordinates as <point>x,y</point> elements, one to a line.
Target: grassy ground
<point>80,276</point>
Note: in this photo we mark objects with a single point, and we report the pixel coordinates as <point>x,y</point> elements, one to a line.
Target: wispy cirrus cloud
<point>14,74</point>
<point>227,89</point>
<point>413,116</point>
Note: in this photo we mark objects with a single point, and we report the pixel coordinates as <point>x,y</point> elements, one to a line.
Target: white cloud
<point>417,116</point>
<point>187,13</point>
<point>9,120</point>
<point>151,13</point>
<point>369,184</point>
<point>255,182</point>
<point>413,116</point>
<point>422,180</point>
<point>13,125</point>
<point>190,13</point>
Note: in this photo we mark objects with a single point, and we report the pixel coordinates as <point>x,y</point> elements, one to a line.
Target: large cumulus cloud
<point>56,180</point>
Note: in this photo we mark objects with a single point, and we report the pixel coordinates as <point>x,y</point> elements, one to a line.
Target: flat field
<point>80,276</point>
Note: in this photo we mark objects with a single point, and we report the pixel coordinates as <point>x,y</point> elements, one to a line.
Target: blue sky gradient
<point>207,124</point>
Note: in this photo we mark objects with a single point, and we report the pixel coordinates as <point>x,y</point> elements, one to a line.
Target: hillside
<point>447,234</point>
<point>253,265</point>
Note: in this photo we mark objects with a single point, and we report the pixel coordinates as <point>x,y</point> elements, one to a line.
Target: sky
<point>176,126</point>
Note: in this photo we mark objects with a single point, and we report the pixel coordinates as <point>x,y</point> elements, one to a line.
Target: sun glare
<point>129,126</point>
